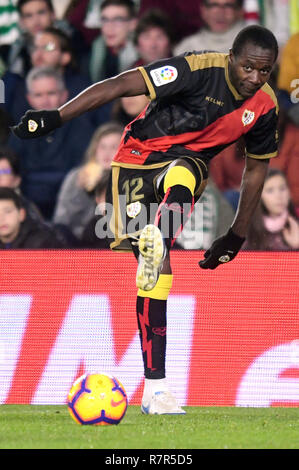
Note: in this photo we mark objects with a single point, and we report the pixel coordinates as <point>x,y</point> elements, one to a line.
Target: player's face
<point>46,52</point>
<point>7,177</point>
<point>220,15</point>
<point>251,69</point>
<point>46,94</point>
<point>36,16</point>
<point>106,149</point>
<point>116,25</point>
<point>153,44</point>
<point>10,220</point>
<point>275,195</point>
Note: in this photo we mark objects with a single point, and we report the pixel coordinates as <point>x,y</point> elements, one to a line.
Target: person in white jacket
<point>222,19</point>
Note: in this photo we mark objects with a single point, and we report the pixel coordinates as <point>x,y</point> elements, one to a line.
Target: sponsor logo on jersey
<point>247,117</point>
<point>216,101</point>
<point>164,75</point>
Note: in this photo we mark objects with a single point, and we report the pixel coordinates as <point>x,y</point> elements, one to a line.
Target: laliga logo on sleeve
<point>247,117</point>
<point>32,125</point>
<point>164,75</point>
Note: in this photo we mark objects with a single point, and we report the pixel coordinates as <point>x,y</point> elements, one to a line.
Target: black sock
<point>151,317</point>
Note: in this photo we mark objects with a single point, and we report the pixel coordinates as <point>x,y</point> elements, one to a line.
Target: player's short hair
<point>7,153</point>
<point>155,18</point>
<point>128,4</point>
<point>42,72</point>
<point>9,194</point>
<point>21,3</point>
<point>257,35</point>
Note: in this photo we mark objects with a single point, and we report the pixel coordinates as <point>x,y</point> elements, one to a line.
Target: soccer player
<point>200,103</point>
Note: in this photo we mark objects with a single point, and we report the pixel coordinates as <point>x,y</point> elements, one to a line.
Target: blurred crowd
<point>50,50</point>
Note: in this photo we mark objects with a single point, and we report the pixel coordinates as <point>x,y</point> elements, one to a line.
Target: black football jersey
<point>196,111</point>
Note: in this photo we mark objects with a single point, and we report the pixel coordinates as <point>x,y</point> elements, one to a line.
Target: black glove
<point>37,123</point>
<point>223,250</point>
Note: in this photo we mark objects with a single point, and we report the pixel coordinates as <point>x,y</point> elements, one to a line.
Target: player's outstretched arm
<point>225,248</point>
<point>39,123</point>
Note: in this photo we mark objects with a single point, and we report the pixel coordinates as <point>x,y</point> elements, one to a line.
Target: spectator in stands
<point>184,14</point>
<point>288,96</point>
<point>35,16</point>
<point>276,15</point>
<point>90,238</point>
<point>9,31</point>
<point>154,37</point>
<point>19,231</point>
<point>52,48</point>
<point>113,51</point>
<point>222,22</point>
<point>76,203</point>
<point>85,16</point>
<point>10,177</point>
<point>275,226</point>
<point>127,108</point>
<point>46,161</point>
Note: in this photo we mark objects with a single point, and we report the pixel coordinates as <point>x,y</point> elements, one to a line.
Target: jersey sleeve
<point>168,77</point>
<point>261,141</point>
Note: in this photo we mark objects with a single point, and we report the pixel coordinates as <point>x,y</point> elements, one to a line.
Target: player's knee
<point>161,290</point>
<point>180,174</point>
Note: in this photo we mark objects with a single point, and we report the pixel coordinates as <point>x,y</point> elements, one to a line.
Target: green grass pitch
<point>51,427</point>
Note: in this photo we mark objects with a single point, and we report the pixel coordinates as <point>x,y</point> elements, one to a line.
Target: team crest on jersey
<point>247,117</point>
<point>133,209</point>
<point>164,75</point>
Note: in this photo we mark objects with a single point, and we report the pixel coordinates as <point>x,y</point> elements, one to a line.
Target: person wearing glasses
<point>113,51</point>
<point>36,16</point>
<point>222,19</point>
<point>52,48</point>
<point>46,162</point>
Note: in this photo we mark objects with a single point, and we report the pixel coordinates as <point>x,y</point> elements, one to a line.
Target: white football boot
<point>161,403</point>
<point>152,253</point>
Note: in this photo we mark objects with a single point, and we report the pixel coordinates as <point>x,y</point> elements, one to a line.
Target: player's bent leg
<point>151,315</point>
<point>156,239</point>
<point>177,204</point>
